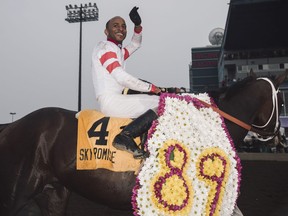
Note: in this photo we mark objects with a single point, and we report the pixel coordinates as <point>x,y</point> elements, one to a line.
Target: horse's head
<point>255,101</point>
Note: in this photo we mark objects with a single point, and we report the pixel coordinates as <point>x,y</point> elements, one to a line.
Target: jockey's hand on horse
<point>156,90</point>
<point>135,17</point>
<point>174,90</point>
<point>171,90</point>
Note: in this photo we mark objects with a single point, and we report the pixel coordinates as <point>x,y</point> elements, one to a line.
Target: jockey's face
<point>116,29</point>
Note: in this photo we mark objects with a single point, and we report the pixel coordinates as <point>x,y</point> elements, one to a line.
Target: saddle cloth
<point>94,143</point>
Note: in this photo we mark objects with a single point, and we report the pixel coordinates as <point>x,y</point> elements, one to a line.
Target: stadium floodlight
<point>79,14</point>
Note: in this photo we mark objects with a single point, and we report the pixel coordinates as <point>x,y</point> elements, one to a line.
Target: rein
<point>227,116</point>
<point>254,128</point>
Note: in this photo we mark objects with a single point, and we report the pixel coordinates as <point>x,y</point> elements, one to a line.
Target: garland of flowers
<point>193,168</point>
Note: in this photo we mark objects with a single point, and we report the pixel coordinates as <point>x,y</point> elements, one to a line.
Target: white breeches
<point>127,106</point>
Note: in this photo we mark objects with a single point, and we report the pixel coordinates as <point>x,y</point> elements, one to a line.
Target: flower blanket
<point>193,168</point>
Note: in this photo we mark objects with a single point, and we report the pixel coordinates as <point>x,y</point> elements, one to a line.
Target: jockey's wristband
<point>153,88</point>
<point>138,29</point>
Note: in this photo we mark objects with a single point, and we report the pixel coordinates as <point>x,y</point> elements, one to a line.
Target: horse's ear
<point>280,79</point>
<point>252,73</point>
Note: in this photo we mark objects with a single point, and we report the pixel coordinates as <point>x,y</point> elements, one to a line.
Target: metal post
<point>80,62</point>
<point>12,116</point>
<point>81,14</point>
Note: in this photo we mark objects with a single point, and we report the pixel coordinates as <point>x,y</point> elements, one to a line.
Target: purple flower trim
<point>158,186</point>
<point>236,157</point>
<point>169,152</point>
<point>173,171</point>
<point>214,178</point>
<point>134,196</point>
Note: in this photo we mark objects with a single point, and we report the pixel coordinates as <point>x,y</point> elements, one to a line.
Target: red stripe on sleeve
<point>153,88</point>
<point>112,66</point>
<point>126,54</point>
<point>106,56</point>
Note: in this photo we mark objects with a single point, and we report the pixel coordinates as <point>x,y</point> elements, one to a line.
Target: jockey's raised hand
<point>135,17</point>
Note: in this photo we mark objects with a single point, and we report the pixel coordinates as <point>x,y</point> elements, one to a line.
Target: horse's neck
<point>236,132</point>
<point>238,109</point>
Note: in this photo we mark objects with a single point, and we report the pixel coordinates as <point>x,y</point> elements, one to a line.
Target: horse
<point>38,152</point>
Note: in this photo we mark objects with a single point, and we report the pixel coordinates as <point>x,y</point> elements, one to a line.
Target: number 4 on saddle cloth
<point>94,143</point>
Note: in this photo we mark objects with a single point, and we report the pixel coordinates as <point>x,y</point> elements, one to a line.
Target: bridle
<point>275,109</point>
<point>258,130</point>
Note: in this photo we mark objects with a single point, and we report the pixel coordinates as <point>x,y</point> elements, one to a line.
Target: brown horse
<point>38,153</point>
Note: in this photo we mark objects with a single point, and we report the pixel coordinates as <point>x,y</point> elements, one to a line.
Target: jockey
<point>110,79</point>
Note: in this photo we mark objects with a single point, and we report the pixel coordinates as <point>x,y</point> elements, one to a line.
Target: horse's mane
<point>238,86</point>
<point>229,92</point>
<point>233,89</point>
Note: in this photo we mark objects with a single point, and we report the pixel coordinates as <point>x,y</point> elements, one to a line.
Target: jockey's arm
<point>135,43</point>
<point>127,80</point>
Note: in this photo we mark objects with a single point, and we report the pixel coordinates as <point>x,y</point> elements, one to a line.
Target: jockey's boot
<point>125,140</point>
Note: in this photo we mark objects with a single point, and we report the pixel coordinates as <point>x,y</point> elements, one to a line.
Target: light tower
<point>80,14</point>
<point>12,116</point>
